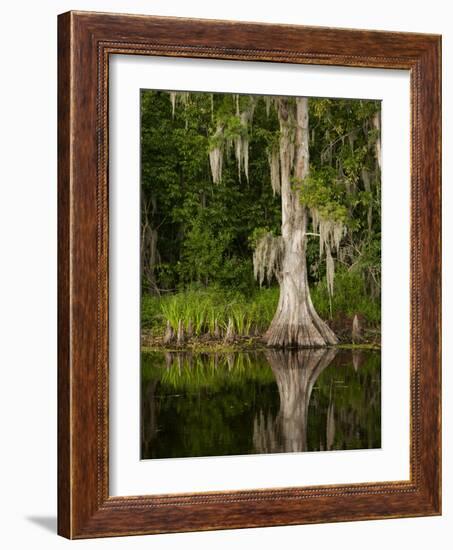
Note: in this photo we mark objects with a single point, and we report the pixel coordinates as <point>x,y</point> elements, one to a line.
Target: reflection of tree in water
<point>296,372</point>
<point>272,401</point>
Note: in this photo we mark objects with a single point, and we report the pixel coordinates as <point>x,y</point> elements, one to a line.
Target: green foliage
<point>197,371</point>
<point>356,397</point>
<point>207,308</point>
<point>341,150</point>
<point>206,232</point>
<point>203,228</point>
<point>344,182</point>
<point>257,234</point>
<point>150,311</point>
<point>322,191</point>
<point>349,298</point>
<point>202,252</point>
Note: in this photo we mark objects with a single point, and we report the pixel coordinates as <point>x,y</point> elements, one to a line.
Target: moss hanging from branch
<point>274,164</point>
<point>216,154</point>
<point>330,270</point>
<point>181,97</point>
<point>240,137</point>
<point>267,258</point>
<point>173,103</point>
<point>330,234</point>
<point>232,133</point>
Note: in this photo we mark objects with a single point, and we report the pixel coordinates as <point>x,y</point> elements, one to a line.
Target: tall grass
<point>210,311</point>
<point>213,311</point>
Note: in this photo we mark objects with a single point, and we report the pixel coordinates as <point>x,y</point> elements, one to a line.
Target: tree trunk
<point>295,323</point>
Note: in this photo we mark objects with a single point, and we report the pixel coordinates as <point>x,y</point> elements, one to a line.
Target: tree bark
<point>295,323</point>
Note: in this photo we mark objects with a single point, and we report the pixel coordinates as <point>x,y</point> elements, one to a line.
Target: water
<point>216,404</point>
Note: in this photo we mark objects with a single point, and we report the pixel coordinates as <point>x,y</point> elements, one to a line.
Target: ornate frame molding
<point>86,40</point>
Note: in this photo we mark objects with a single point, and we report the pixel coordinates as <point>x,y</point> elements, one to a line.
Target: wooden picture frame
<point>85,42</point>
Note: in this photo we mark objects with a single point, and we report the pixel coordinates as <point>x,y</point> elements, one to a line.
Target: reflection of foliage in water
<point>353,395</point>
<point>203,402</point>
<point>209,404</point>
<point>211,371</point>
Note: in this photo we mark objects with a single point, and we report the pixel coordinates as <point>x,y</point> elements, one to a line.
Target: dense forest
<point>261,220</point>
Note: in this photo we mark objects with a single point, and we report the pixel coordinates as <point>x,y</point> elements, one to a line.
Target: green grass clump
<point>210,311</point>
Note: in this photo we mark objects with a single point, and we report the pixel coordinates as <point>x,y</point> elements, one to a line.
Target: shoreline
<point>239,344</point>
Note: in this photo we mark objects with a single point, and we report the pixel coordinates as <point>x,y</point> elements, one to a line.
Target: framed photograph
<point>249,275</point>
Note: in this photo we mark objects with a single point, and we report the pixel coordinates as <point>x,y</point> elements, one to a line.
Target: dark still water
<point>216,404</point>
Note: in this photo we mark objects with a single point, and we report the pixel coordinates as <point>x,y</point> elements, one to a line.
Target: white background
<point>28,271</point>
<point>129,475</point>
